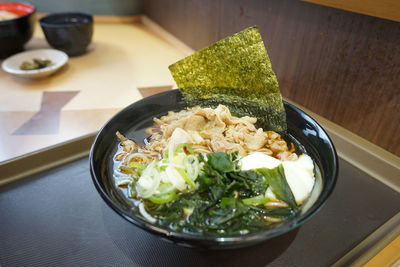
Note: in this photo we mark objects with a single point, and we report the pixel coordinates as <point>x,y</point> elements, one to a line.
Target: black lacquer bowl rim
<point>191,240</point>
<point>48,22</point>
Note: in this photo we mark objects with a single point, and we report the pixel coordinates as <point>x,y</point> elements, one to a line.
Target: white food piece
<point>180,136</point>
<point>299,173</point>
<point>175,178</point>
<point>300,177</point>
<point>258,160</point>
<point>145,214</point>
<point>148,182</point>
<point>269,194</point>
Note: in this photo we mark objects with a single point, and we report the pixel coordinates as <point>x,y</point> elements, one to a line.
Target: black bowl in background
<point>69,32</point>
<point>303,131</point>
<point>16,32</point>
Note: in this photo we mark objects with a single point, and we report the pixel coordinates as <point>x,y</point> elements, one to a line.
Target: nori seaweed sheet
<point>235,71</point>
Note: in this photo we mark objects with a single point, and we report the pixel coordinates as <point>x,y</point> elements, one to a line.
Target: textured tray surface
<point>57,219</point>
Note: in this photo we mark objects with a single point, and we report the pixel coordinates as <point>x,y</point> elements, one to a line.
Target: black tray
<point>57,218</point>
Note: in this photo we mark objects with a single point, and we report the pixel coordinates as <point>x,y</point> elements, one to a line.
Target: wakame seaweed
<point>227,201</point>
<point>236,72</point>
<point>276,179</point>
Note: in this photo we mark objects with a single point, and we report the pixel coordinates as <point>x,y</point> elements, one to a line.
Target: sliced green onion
<point>171,146</point>
<point>188,211</point>
<point>131,189</point>
<point>145,214</point>
<point>180,148</point>
<point>176,178</point>
<point>148,181</point>
<point>163,198</point>
<point>192,166</point>
<point>165,188</point>
<point>185,177</point>
<point>180,170</point>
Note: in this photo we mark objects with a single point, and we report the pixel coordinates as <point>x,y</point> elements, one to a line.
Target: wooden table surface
<point>125,62</point>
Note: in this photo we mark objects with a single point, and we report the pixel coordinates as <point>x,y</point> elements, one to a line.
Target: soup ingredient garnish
<point>299,173</point>
<point>211,194</point>
<point>213,130</point>
<point>235,71</point>
<point>35,64</point>
<point>183,182</point>
<point>204,171</point>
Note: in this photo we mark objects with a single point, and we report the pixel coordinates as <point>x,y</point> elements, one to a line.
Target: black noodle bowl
<point>307,135</point>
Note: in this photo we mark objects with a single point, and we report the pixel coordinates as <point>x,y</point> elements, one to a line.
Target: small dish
<point>70,32</point>
<point>13,63</point>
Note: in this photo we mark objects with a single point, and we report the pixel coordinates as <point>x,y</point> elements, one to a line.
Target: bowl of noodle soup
<point>303,134</point>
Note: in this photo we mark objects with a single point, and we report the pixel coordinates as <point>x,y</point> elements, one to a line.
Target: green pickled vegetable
<point>35,64</point>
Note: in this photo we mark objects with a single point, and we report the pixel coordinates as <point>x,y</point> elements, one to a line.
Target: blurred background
<point>341,64</point>
<point>338,58</point>
<point>99,7</point>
